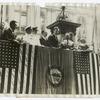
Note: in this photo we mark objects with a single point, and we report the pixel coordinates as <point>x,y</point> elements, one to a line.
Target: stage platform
<point>27,69</point>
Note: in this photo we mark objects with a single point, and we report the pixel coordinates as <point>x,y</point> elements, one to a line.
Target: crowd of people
<point>52,40</point>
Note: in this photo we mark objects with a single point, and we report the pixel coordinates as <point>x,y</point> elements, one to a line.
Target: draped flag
<point>8,63</point>
<point>54,71</point>
<point>86,69</point>
<point>27,69</point>
<point>16,67</point>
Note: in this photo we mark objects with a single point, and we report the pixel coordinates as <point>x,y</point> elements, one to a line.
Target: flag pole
<point>94,28</point>
<point>20,19</point>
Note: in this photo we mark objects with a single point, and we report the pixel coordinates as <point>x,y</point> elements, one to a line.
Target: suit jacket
<point>43,41</point>
<point>8,35</point>
<point>52,41</point>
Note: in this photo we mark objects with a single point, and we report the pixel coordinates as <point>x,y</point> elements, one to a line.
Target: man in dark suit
<point>43,39</point>
<point>52,39</point>
<point>9,33</point>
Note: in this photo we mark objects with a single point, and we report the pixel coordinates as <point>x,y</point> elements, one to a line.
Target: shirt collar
<point>43,37</point>
<point>11,29</point>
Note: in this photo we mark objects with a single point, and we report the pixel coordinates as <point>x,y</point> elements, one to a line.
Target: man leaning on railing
<point>9,34</point>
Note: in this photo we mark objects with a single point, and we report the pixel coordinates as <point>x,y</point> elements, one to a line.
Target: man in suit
<point>52,39</point>
<point>9,33</point>
<point>67,43</point>
<point>43,39</point>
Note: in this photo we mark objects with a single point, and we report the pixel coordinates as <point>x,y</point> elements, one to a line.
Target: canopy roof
<point>64,26</point>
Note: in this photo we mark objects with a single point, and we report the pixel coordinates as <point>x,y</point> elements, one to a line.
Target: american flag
<point>87,77</point>
<point>16,68</point>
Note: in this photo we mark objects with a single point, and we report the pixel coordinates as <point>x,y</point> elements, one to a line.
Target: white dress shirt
<point>32,39</point>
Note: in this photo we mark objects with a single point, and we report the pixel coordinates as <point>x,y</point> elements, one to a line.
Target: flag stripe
<point>31,69</point>
<point>15,80</point>
<point>98,60</point>
<point>28,69</point>
<point>84,85</point>
<point>91,74</point>
<point>96,74</point>
<point>16,73</point>
<point>19,70</point>
<point>12,80</point>
<point>86,82</point>
<point>76,84</point>
<point>90,83</point>
<point>9,80</point>
<point>94,78</point>
<point>79,85</point>
<point>2,80</point>
<point>25,70</point>
<point>34,70</point>
<point>76,80</point>
<point>22,69</point>
<point>6,80</point>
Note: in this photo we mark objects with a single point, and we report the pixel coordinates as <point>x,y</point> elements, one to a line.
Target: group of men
<point>10,34</point>
<point>30,37</point>
<point>54,40</point>
<point>51,40</point>
<point>65,41</point>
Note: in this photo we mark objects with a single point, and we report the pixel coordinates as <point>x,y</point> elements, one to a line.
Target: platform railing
<point>27,69</point>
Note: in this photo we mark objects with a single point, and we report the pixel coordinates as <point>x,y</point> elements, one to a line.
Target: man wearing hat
<point>34,29</point>
<point>9,33</point>
<point>28,37</point>
<point>35,36</point>
<point>83,45</point>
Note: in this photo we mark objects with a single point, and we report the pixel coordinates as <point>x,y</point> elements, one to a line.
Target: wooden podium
<point>63,24</point>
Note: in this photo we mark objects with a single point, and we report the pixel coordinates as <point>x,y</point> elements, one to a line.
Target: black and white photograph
<point>52,49</point>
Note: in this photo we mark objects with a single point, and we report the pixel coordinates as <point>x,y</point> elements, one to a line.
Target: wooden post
<point>1,17</point>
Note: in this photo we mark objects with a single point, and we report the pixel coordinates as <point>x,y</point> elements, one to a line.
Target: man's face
<point>29,31</point>
<point>55,31</point>
<point>45,34</point>
<point>67,36</point>
<point>14,26</point>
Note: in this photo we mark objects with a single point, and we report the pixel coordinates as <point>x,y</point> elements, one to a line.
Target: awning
<point>64,26</point>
